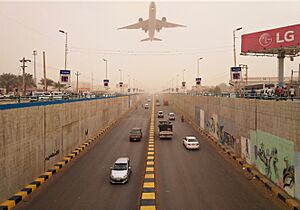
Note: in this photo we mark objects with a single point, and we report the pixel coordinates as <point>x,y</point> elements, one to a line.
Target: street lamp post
<point>234,50</point>
<point>66,52</point>
<point>198,66</point>
<point>105,60</point>
<point>66,47</point>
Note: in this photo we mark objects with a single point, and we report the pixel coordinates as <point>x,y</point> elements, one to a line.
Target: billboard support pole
<point>280,57</point>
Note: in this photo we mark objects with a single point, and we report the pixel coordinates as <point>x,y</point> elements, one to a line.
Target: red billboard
<point>270,41</point>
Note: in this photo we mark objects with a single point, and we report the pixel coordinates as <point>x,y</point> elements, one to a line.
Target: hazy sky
<point>93,35</point>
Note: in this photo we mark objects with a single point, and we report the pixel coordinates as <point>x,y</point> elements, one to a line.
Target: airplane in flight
<point>152,24</point>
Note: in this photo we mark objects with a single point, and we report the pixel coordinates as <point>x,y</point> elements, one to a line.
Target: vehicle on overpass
<point>165,129</point>
<point>160,114</point>
<point>120,171</point>
<point>191,142</point>
<point>171,116</point>
<point>135,134</point>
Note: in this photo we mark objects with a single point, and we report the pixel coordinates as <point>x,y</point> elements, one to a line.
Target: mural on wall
<point>275,158</point>
<point>225,134</point>
<point>297,177</point>
<point>202,119</point>
<point>197,114</point>
<point>245,149</point>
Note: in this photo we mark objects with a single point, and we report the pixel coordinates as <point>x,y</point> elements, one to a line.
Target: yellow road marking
<point>150,149</point>
<point>148,185</point>
<point>22,193</point>
<point>150,153</point>
<point>149,169</point>
<point>148,208</point>
<point>150,157</point>
<point>148,195</point>
<point>150,163</point>
<point>9,203</point>
<point>149,176</point>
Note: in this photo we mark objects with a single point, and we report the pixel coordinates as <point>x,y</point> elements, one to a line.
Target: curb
<point>148,194</point>
<point>278,192</point>
<point>32,186</point>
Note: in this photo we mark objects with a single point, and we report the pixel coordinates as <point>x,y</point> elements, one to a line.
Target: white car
<point>121,170</point>
<point>191,142</point>
<point>146,106</point>
<point>171,116</point>
<point>160,114</point>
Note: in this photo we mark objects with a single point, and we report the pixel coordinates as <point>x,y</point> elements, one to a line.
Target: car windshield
<point>120,166</point>
<point>192,140</point>
<point>135,131</point>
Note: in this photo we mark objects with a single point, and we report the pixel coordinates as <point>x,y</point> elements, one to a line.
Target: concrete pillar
<point>280,57</point>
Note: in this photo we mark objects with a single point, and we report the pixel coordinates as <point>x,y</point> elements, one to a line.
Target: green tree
<point>8,81</point>
<point>29,81</point>
<point>58,85</point>
<point>49,82</point>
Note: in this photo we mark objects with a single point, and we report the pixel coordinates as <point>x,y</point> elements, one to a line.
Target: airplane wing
<point>141,24</point>
<point>164,24</point>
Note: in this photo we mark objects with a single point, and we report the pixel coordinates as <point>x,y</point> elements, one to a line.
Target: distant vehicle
<point>135,134</point>
<point>120,171</point>
<point>166,102</point>
<point>171,116</point>
<point>160,114</point>
<point>165,129</point>
<point>1,96</point>
<point>57,95</point>
<point>157,104</point>
<point>146,106</point>
<point>149,100</point>
<point>191,142</point>
<point>152,24</point>
<point>42,96</point>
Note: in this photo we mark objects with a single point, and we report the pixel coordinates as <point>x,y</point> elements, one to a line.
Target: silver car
<point>121,170</point>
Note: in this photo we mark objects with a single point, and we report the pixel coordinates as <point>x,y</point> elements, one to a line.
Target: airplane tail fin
<point>148,39</point>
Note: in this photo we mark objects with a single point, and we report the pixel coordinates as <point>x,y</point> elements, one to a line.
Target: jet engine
<point>140,19</point>
<point>164,19</point>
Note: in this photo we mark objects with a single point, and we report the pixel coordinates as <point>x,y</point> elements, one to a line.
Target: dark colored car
<point>135,134</point>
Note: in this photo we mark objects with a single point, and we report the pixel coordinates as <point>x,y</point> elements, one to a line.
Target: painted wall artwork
<point>275,158</point>
<point>202,119</point>
<point>245,149</point>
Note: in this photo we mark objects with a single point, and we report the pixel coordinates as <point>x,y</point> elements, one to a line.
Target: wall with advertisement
<point>246,149</point>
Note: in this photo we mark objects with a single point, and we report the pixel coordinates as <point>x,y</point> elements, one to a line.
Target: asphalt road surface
<point>203,179</point>
<point>185,180</point>
<point>85,184</point>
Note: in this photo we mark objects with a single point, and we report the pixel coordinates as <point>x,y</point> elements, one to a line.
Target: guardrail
<point>21,102</point>
<point>238,95</point>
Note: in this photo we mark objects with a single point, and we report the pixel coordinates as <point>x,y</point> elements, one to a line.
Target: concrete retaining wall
<point>264,133</point>
<point>32,139</point>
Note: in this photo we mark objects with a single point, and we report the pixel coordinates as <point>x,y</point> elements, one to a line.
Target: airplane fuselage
<point>152,20</point>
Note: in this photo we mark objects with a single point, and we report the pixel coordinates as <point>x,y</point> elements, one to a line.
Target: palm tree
<point>8,81</point>
<point>49,82</point>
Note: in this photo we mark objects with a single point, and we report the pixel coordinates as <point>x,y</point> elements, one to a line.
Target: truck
<point>165,128</point>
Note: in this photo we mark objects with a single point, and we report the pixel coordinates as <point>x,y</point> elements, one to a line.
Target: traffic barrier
<point>148,195</point>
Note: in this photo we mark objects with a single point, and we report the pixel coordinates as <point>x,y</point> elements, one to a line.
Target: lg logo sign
<point>266,39</point>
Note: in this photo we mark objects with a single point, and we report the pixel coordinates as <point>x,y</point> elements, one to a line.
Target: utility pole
<point>45,76</point>
<point>92,82</point>
<point>24,61</point>
<point>34,67</point>
<point>77,75</point>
